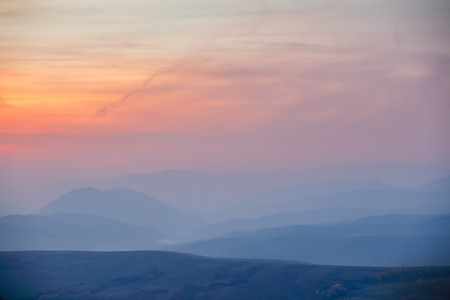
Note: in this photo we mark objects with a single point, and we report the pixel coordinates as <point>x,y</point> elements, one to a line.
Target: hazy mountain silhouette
<point>395,199</point>
<point>376,241</point>
<point>73,232</point>
<point>438,185</point>
<point>126,206</point>
<point>292,200</point>
<point>274,201</point>
<point>200,190</point>
<point>320,216</point>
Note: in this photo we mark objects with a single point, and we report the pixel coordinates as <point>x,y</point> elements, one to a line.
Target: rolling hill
<point>389,200</point>
<point>125,206</point>
<point>74,232</point>
<point>376,241</point>
<point>166,275</point>
<point>438,185</point>
<point>320,216</point>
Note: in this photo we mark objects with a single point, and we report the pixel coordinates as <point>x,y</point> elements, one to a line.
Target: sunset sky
<point>92,89</point>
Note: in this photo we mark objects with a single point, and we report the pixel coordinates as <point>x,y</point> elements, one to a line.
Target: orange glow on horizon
<point>172,81</point>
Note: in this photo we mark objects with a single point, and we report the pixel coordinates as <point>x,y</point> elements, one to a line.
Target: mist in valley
<point>253,149</point>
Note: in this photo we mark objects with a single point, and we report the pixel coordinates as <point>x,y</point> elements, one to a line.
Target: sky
<point>92,89</point>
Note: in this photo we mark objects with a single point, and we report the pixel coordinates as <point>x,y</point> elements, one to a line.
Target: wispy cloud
<point>398,39</point>
<point>290,80</point>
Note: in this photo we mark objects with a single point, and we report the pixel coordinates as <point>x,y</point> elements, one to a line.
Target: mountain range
<point>371,194</point>
<point>126,206</point>
<point>318,223</point>
<point>211,192</point>
<point>74,232</point>
<point>388,240</point>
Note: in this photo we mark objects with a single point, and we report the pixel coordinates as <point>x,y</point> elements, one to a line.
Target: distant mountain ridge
<point>286,218</point>
<point>272,201</point>
<point>73,232</point>
<point>126,206</point>
<point>388,240</point>
<point>319,203</point>
<point>438,185</point>
<point>353,195</point>
<point>208,191</point>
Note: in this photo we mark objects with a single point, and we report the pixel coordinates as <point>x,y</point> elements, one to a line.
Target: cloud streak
<point>269,84</point>
<point>186,62</point>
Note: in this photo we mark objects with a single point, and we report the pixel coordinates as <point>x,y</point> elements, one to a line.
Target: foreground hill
<point>73,232</point>
<point>375,241</point>
<point>126,206</point>
<point>165,275</point>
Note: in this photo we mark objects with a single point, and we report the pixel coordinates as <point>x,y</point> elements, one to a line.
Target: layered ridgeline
<point>125,206</point>
<point>121,219</point>
<point>389,240</point>
<point>372,194</point>
<point>210,191</point>
<point>91,219</point>
<point>74,232</point>
<point>231,196</point>
<point>165,275</point>
<point>327,202</point>
<point>438,185</point>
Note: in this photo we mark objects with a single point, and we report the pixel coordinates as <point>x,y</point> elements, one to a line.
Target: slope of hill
<point>275,200</point>
<point>320,216</point>
<point>73,232</point>
<point>378,241</point>
<point>165,275</point>
<point>126,206</point>
<point>438,185</point>
<point>293,193</point>
<point>392,200</point>
<point>313,217</point>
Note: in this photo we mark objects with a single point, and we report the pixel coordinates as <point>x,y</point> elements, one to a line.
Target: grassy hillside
<point>166,275</point>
